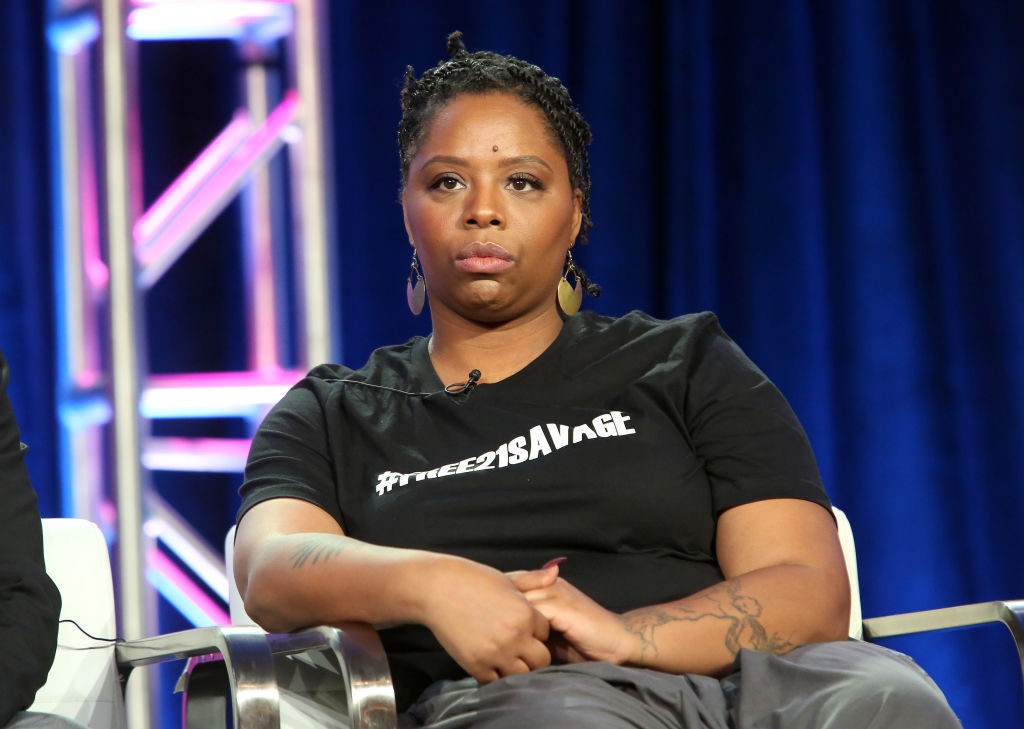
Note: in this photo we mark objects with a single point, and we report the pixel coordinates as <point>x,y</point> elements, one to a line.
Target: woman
<point>617,522</point>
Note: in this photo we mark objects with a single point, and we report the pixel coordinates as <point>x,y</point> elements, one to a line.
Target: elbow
<point>262,599</point>
<point>266,609</point>
<point>835,618</point>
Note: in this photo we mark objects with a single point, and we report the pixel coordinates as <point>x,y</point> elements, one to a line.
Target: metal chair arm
<point>322,676</point>
<point>247,659</point>
<point>1008,612</point>
<point>359,657</point>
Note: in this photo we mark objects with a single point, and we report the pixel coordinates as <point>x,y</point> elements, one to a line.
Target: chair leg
<point>247,661</point>
<point>356,651</point>
<point>204,702</point>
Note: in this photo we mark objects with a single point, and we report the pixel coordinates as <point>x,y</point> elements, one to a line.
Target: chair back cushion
<point>235,607</point>
<point>850,555</point>
<point>83,681</point>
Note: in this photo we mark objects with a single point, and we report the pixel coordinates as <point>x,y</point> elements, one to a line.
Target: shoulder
<point>638,324</point>
<point>641,334</point>
<point>385,366</point>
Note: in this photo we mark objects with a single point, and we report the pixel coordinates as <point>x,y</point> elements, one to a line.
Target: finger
<point>485,675</point>
<point>573,655</point>
<point>514,667</point>
<point>541,627</point>
<point>561,616</point>
<point>536,655</point>
<point>559,648</point>
<point>534,579</point>
<point>544,600</point>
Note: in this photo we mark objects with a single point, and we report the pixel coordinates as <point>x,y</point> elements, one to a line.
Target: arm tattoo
<point>313,551</point>
<point>741,612</point>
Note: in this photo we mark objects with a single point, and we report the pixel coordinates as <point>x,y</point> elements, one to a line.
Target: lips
<point>483,258</point>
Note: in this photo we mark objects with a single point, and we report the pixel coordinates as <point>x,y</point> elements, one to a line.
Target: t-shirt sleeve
<point>750,440</point>
<point>290,454</point>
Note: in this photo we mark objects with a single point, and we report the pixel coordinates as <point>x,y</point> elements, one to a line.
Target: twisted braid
<point>482,72</point>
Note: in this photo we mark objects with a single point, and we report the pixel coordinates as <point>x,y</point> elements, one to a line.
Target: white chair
<point>377,710</point>
<point>92,667</point>
<point>83,683</point>
<point>1008,612</point>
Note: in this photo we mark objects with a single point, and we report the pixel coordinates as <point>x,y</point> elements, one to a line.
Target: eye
<point>521,182</point>
<point>447,182</point>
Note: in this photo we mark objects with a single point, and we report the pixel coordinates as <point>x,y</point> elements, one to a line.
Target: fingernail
<point>553,562</point>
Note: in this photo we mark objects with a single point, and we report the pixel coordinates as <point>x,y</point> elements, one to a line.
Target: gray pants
<point>842,685</point>
<point>38,720</point>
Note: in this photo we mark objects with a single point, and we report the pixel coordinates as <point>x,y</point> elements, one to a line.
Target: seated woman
<point>599,522</point>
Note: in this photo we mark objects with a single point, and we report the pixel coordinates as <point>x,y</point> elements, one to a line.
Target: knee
<point>888,689</point>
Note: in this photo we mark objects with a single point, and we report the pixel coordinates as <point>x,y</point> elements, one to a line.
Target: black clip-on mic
<point>464,388</point>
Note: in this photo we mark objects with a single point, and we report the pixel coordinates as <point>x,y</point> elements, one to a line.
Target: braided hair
<point>481,72</point>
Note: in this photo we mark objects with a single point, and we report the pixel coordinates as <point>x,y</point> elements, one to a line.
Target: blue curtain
<point>842,182</point>
<point>26,321</point>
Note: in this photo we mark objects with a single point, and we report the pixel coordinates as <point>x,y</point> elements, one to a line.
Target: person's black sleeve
<point>29,601</point>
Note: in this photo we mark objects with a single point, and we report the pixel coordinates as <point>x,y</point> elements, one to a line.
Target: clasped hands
<point>497,624</point>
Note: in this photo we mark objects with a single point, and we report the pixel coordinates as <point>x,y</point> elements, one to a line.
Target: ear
<point>405,220</point>
<point>577,214</point>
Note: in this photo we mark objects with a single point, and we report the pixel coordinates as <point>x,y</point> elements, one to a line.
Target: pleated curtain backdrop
<point>842,182</point>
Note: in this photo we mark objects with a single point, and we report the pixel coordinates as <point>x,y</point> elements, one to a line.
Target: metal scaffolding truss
<point>109,251</point>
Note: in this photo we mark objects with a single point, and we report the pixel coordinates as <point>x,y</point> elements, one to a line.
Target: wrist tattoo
<point>314,550</point>
<point>741,612</point>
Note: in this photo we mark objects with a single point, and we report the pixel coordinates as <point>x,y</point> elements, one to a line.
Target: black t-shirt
<point>618,448</point>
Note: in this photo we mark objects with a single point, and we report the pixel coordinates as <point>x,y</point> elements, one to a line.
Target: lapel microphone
<point>464,388</point>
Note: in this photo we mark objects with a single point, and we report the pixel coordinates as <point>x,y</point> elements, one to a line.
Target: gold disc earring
<point>570,297</point>
<point>415,293</point>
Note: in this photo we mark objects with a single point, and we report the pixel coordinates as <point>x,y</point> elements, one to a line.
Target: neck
<point>499,351</point>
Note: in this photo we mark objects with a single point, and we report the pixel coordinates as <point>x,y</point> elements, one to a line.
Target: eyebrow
<point>505,162</point>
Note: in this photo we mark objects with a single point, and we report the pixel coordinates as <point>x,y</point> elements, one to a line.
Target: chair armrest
<point>322,676</point>
<point>247,659</point>
<point>1008,612</point>
<point>360,658</point>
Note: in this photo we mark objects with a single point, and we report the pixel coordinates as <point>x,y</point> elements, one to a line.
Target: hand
<point>485,623</point>
<point>582,630</point>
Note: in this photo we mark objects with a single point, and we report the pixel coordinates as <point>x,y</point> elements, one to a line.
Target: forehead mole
<point>494,148</point>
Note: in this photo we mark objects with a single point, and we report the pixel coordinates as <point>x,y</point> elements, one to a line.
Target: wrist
<point>430,579</point>
<point>637,646</point>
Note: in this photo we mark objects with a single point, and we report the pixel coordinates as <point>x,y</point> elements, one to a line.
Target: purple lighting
<point>206,187</point>
<point>215,394</point>
<point>188,183</point>
<point>261,20</point>
<point>200,455</point>
<point>176,587</point>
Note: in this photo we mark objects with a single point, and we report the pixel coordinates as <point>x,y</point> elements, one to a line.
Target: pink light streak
<point>188,184</point>
<point>214,393</point>
<point>175,230</point>
<point>167,19</point>
<point>201,455</point>
<point>203,604</point>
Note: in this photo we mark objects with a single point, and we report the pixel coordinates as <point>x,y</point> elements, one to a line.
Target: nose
<point>483,210</point>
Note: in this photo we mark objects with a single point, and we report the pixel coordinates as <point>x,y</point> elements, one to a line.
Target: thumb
<point>526,580</point>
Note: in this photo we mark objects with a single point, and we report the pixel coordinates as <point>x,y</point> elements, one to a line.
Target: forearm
<point>773,609</point>
<point>297,580</point>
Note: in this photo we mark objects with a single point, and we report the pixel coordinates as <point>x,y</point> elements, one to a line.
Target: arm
<point>295,568</point>
<point>785,585</point>
<point>29,601</point>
